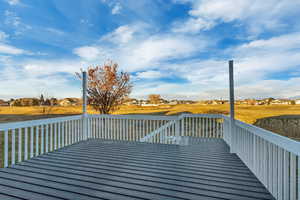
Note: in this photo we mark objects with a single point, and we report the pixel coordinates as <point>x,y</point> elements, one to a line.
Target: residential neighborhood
<point>145,102</point>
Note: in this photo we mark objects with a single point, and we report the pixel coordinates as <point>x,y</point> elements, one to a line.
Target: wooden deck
<point>99,169</point>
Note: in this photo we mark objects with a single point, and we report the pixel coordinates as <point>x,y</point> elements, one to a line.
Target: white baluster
<point>47,138</point>
<point>6,148</point>
<point>13,147</point>
<point>298,180</point>
<point>63,126</point>
<point>20,145</point>
<point>293,181</point>
<point>286,178</point>
<point>31,140</point>
<point>26,144</point>
<point>37,135</point>
<point>69,133</point>
<point>51,137</point>
<point>55,136</point>
<point>42,139</point>
<point>102,128</point>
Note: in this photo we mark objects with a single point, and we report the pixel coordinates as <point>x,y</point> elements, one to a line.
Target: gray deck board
<point>101,169</point>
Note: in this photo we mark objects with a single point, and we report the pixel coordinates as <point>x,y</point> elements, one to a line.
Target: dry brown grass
<point>247,114</point>
<point>244,113</point>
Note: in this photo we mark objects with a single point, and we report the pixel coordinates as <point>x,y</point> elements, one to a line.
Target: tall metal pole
<point>84,89</point>
<point>84,105</point>
<point>231,95</point>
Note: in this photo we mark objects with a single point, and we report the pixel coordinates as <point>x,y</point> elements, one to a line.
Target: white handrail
<point>22,124</point>
<point>281,141</point>
<point>202,115</point>
<point>274,159</point>
<point>31,138</point>
<point>136,117</point>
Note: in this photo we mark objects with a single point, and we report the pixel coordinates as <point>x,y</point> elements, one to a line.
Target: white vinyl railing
<point>125,127</point>
<point>166,134</point>
<point>273,159</point>
<point>24,140</point>
<point>201,125</point>
<point>187,125</point>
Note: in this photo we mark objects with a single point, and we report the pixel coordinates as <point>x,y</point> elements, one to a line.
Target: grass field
<point>244,113</point>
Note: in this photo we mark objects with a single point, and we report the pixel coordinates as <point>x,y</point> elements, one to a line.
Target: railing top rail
<point>202,115</point>
<point>281,141</point>
<point>137,117</point>
<point>29,123</point>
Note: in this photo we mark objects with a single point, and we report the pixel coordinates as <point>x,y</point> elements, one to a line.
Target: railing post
<point>84,105</point>
<point>231,95</point>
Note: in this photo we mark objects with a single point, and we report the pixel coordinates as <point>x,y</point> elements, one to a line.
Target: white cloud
<point>151,74</point>
<point>50,67</point>
<point>115,6</point>
<point>13,20</point>
<point>136,49</point>
<point>55,31</point>
<point>256,63</point>
<point>116,9</point>
<point>39,76</point>
<point>87,52</point>
<point>193,25</point>
<point>121,35</point>
<point>3,36</point>
<point>7,49</point>
<point>255,15</point>
<point>86,22</point>
<point>13,2</point>
<point>287,42</point>
<point>156,49</point>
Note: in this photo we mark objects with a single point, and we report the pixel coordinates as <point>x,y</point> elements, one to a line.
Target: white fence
<point>272,158</point>
<point>24,140</point>
<point>125,127</point>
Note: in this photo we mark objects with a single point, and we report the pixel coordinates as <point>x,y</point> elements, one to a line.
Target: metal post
<point>84,104</point>
<point>84,89</point>
<point>231,95</point>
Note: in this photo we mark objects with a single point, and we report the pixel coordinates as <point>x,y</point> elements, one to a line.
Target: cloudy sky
<point>176,48</point>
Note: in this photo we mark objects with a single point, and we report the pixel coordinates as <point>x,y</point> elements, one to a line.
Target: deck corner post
<point>84,105</point>
<point>231,97</point>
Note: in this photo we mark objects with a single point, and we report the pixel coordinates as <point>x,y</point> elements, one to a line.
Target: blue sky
<point>176,48</point>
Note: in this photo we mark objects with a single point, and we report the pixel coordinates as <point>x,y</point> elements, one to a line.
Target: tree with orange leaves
<point>106,87</point>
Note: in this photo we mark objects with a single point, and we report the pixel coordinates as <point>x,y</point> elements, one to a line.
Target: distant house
<point>149,104</point>
<point>297,101</point>
<point>130,101</point>
<point>3,103</point>
<point>281,101</point>
<point>250,102</point>
<point>69,102</point>
<point>174,102</point>
<point>25,102</point>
